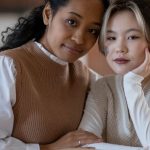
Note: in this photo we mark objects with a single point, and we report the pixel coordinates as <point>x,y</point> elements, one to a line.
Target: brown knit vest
<point>49,97</point>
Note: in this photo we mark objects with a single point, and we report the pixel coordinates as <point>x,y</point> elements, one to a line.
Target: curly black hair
<point>31,27</point>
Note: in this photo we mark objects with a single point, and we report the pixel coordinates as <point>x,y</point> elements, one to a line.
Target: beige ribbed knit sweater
<point>49,97</point>
<point>107,113</point>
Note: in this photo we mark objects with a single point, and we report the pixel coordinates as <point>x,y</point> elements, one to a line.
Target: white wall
<point>7,19</point>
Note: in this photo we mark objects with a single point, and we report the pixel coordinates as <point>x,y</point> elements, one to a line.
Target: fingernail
<point>147,49</point>
<point>100,140</point>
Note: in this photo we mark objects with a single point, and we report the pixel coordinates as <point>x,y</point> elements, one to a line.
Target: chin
<point>121,72</point>
<point>71,60</point>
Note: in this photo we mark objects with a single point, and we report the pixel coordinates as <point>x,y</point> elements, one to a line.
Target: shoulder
<point>13,56</point>
<point>11,52</point>
<point>110,80</point>
<point>80,68</point>
<point>93,77</point>
<point>7,67</point>
<point>108,83</point>
<point>6,61</point>
<point>17,50</point>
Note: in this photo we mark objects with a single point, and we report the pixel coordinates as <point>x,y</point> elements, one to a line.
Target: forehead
<point>88,9</point>
<point>123,19</point>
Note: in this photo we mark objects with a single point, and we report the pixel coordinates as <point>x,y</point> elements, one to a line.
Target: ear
<point>47,14</point>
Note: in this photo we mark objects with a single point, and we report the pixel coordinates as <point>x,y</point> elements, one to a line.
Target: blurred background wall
<point>11,10</point>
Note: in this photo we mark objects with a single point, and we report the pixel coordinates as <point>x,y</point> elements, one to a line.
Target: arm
<point>137,103</point>
<point>138,107</point>
<point>7,101</point>
<point>94,118</point>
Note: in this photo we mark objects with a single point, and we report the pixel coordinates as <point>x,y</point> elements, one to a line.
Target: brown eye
<point>133,37</point>
<point>94,31</point>
<point>110,38</point>
<point>72,22</point>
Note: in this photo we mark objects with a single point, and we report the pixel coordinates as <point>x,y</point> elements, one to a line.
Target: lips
<point>121,60</point>
<point>73,49</point>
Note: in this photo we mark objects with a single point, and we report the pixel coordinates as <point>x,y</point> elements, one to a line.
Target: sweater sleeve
<point>7,101</point>
<point>138,107</point>
<point>95,117</point>
<point>95,110</point>
<point>108,146</point>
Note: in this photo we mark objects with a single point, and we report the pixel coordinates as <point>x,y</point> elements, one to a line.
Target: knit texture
<point>106,112</point>
<point>49,97</point>
<point>118,125</point>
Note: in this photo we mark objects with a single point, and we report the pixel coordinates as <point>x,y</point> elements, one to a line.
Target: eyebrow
<point>134,29</point>
<point>130,30</point>
<point>76,14</point>
<point>79,16</point>
<point>110,31</point>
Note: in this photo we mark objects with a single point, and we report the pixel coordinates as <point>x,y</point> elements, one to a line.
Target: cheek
<point>139,50</point>
<point>139,56</point>
<point>89,43</point>
<point>108,48</point>
<point>109,58</point>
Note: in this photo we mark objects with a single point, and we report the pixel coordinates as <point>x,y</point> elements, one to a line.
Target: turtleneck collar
<point>50,55</point>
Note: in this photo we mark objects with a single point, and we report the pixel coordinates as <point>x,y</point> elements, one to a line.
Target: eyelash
<point>96,31</point>
<point>133,37</point>
<point>129,38</point>
<point>74,23</point>
<point>110,38</point>
<point>71,22</point>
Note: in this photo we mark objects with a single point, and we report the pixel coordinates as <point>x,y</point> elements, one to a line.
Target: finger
<point>147,60</point>
<point>143,69</point>
<point>90,141</point>
<point>89,148</point>
<point>147,55</point>
<point>83,135</point>
<point>80,137</point>
<point>86,133</point>
<point>79,148</point>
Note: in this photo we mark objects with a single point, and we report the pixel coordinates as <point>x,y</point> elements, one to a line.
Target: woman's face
<point>73,30</point>
<point>125,42</point>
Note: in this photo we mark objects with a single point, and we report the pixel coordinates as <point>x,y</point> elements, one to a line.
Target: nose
<point>121,50</point>
<point>78,37</point>
<point>121,46</point>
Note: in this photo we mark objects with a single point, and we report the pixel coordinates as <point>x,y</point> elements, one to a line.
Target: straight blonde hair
<point>133,6</point>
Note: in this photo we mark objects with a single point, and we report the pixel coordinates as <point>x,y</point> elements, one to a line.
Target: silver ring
<point>79,142</point>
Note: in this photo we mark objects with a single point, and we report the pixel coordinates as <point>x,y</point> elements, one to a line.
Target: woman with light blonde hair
<point>118,107</point>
